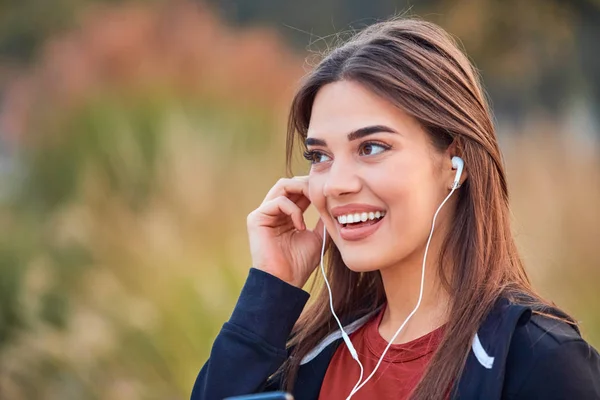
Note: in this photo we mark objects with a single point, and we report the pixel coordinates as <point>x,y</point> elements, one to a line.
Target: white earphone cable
<point>357,388</point>
<point>457,163</point>
<point>344,334</point>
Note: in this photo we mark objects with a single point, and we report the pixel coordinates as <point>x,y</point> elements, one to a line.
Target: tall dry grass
<point>555,182</point>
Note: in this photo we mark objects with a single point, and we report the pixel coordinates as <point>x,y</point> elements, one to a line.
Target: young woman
<point>425,276</point>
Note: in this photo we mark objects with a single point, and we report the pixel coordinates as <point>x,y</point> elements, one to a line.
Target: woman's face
<point>370,157</point>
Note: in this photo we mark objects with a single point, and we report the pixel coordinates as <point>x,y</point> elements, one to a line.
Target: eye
<point>372,148</point>
<point>314,156</point>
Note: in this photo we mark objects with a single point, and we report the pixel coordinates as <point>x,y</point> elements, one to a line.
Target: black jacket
<point>515,354</point>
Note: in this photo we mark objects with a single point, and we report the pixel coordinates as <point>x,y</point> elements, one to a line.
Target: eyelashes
<point>313,155</point>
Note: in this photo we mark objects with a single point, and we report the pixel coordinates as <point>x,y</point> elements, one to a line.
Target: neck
<point>402,283</point>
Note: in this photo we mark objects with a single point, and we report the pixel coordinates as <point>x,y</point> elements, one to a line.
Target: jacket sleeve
<point>569,371</point>
<point>251,346</point>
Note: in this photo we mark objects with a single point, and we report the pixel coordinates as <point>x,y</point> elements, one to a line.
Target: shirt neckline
<point>404,352</point>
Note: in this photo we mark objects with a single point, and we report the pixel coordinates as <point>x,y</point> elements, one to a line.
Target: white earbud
<point>458,164</point>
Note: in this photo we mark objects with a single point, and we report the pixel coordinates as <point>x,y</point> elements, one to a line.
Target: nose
<point>342,179</point>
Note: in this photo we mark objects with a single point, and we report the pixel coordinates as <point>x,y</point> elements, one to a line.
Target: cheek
<point>408,198</point>
<point>392,188</point>
<point>412,215</point>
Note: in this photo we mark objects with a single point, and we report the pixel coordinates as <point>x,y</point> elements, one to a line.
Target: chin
<point>363,262</point>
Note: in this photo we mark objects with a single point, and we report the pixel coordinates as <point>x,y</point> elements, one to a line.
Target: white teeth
<point>360,217</point>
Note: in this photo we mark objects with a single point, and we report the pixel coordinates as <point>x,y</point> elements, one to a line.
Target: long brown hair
<point>419,68</point>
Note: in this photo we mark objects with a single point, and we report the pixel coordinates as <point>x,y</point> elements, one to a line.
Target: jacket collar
<point>483,375</point>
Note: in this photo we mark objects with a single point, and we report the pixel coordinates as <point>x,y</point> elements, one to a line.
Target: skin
<point>400,172</point>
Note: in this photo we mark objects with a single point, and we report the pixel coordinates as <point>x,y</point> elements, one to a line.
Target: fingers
<point>273,213</point>
<point>296,189</point>
<point>303,178</point>
<point>303,202</point>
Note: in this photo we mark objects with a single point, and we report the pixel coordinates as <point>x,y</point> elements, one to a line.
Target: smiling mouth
<point>362,220</point>
<point>361,224</point>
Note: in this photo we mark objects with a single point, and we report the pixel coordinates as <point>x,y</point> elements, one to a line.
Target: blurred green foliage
<point>86,194</point>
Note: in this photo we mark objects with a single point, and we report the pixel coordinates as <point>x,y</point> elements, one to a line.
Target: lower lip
<point>353,234</point>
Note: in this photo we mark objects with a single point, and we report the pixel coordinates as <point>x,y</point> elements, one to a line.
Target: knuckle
<point>282,199</point>
<point>281,182</point>
<point>286,201</point>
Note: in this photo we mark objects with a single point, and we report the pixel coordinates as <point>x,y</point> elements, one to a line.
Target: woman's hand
<point>280,244</point>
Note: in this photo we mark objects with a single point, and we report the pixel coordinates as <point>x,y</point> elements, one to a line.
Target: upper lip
<point>353,209</point>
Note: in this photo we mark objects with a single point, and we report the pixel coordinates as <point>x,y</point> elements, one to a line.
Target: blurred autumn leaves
<point>141,140</point>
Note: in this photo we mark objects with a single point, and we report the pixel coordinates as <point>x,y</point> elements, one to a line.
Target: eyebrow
<point>354,135</point>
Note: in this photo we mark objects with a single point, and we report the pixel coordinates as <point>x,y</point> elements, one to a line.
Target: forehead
<point>344,106</point>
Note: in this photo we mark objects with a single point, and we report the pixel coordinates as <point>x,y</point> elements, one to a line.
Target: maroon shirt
<point>397,376</point>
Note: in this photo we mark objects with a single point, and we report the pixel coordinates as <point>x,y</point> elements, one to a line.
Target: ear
<point>451,151</point>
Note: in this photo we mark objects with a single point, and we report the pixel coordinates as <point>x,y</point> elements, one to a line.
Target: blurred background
<point>135,137</point>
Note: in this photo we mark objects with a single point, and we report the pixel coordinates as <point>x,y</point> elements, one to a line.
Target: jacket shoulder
<point>549,359</point>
